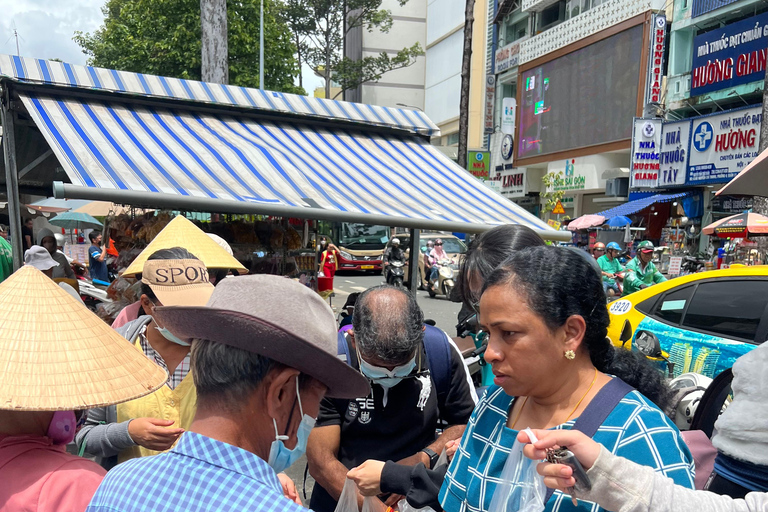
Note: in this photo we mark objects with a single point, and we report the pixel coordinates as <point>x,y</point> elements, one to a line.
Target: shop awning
<point>641,204</point>
<point>185,159</point>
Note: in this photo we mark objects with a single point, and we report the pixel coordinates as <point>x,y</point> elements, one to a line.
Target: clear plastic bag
<point>348,499</point>
<point>521,489</point>
<point>373,504</point>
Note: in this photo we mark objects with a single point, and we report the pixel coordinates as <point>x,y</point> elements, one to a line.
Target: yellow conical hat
<point>55,354</point>
<point>180,232</point>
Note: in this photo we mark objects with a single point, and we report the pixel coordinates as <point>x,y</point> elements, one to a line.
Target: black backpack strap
<point>598,410</point>
<point>711,403</point>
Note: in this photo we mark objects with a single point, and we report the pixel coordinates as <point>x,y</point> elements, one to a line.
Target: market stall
<point>261,163</point>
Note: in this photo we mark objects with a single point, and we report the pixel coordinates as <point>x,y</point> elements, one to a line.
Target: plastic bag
<point>348,499</point>
<point>373,504</point>
<point>521,489</point>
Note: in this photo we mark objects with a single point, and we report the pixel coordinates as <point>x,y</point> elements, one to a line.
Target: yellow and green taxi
<point>697,323</point>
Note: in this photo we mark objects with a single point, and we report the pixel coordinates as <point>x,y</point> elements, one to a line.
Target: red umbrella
<point>742,225</point>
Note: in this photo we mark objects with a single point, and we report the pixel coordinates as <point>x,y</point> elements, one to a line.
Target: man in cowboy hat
<point>263,356</point>
<point>47,381</point>
<point>171,277</point>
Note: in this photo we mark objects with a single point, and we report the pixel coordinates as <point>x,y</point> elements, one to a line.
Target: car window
<point>728,308</point>
<point>672,305</point>
<point>453,246</point>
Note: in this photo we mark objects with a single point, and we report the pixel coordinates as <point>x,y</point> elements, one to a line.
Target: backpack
<point>438,350</point>
<point>132,329</point>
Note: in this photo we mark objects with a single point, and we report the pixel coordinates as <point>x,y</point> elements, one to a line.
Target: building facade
<point>576,74</point>
<point>399,88</point>
<point>444,53</point>
<point>712,114</point>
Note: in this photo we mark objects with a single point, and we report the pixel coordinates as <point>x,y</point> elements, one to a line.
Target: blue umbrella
<point>619,221</point>
<point>75,220</point>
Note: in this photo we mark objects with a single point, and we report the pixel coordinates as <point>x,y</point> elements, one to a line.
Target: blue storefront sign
<point>730,56</point>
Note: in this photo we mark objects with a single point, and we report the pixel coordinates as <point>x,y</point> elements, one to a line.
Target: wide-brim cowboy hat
<point>181,232</point>
<point>55,354</point>
<point>277,318</point>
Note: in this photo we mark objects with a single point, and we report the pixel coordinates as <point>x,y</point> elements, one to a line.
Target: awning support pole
<point>12,179</point>
<point>414,279</point>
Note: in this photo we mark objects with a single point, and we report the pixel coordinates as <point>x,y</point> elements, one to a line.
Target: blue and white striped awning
<point>640,204</point>
<point>61,74</point>
<point>163,157</point>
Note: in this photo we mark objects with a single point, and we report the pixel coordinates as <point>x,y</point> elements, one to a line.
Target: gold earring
<point>570,355</point>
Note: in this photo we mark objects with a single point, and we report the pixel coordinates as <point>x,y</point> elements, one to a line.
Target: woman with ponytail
<point>544,311</point>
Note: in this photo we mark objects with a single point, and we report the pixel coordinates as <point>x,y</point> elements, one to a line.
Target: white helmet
<point>60,240</point>
<point>690,387</point>
<point>395,241</point>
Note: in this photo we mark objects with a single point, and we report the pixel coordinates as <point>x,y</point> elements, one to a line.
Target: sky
<point>46,27</point>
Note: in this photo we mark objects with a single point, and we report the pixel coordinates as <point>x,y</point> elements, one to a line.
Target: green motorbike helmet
<point>645,246</point>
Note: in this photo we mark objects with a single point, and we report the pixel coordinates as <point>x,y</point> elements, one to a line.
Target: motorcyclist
<point>640,271</point>
<point>609,267</point>
<point>437,255</point>
<point>392,253</point>
<point>598,250</point>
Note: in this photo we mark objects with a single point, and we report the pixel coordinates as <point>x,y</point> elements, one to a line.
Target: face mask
<point>385,378</point>
<point>62,428</point>
<point>280,457</point>
<point>169,335</point>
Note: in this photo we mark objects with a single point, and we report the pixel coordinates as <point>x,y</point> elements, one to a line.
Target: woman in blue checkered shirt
<point>544,310</point>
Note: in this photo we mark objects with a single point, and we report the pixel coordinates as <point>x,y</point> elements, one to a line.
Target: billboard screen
<point>582,98</point>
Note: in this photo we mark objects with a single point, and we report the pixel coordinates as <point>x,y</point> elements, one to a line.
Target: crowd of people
<point>206,394</point>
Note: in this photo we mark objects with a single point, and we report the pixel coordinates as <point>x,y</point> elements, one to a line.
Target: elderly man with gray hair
<point>263,356</point>
<point>418,383</point>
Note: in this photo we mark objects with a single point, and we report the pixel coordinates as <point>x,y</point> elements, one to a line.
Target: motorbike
<point>692,265</point>
<point>619,278</point>
<point>395,273</point>
<point>92,292</point>
<point>473,343</point>
<point>445,282</point>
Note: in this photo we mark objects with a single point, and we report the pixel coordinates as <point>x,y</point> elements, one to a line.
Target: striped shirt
<point>199,474</point>
<point>636,429</point>
<point>175,378</point>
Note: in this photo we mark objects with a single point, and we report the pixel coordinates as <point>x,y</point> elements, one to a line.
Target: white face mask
<point>387,378</point>
<point>280,457</point>
<point>168,334</point>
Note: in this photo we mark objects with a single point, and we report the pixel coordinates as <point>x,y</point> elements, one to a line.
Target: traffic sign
<point>559,210</point>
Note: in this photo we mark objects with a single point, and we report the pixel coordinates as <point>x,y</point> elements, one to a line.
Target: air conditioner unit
<point>617,187</point>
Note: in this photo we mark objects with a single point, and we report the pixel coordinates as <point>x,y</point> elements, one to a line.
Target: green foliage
<point>550,195</point>
<point>320,30</point>
<point>163,37</point>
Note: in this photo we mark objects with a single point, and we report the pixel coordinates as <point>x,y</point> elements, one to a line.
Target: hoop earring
<point>570,355</point>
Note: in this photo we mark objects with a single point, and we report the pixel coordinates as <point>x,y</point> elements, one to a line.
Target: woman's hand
<point>450,448</point>
<point>367,476</point>
<point>289,488</point>
<point>560,476</point>
<point>153,433</point>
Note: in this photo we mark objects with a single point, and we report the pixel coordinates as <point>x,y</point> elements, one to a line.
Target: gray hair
<point>388,324</point>
<point>226,374</point>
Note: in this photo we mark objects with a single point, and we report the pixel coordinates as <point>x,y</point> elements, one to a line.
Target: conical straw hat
<point>55,354</point>
<point>180,232</point>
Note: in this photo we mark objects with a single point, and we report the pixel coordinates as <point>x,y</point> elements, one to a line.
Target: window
<point>551,16</point>
<point>671,307</point>
<point>451,139</point>
<point>728,308</point>
<point>515,31</point>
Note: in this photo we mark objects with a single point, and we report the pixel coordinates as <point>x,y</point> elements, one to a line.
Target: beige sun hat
<point>57,355</point>
<point>181,232</point>
<point>178,282</point>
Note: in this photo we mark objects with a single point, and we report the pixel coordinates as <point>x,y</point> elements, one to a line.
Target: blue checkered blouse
<point>636,430</point>
<point>198,474</point>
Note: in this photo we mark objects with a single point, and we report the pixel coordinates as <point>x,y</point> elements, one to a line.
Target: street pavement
<point>439,309</point>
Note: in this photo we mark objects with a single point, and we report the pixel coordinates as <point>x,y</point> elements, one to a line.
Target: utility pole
<point>466,68</point>
<point>215,54</point>
<point>261,45</point>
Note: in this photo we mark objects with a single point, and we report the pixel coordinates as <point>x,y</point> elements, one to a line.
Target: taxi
<point>697,323</point>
